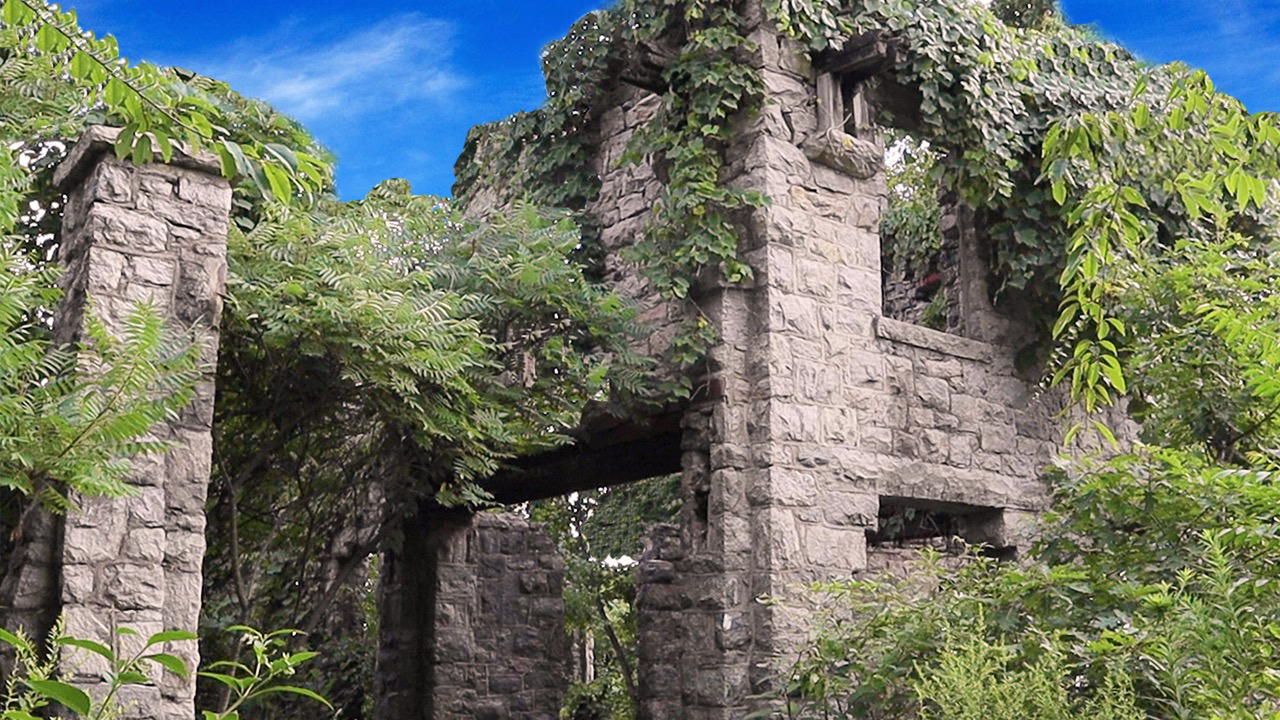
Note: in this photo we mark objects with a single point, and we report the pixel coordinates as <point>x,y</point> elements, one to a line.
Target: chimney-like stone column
<point>154,233</point>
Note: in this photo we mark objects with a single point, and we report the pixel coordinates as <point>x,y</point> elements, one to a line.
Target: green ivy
<point>910,229</point>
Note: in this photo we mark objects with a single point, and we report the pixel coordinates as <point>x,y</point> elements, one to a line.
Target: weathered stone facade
<point>474,621</point>
<point>818,414</point>
<point>156,233</point>
<point>816,417</point>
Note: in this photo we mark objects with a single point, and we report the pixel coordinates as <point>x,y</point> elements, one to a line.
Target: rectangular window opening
<point>949,528</point>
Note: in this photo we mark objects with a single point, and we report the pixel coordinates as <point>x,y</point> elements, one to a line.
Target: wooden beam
<point>861,57</point>
<point>627,452</point>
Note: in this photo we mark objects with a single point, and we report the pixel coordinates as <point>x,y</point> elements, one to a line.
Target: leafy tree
<point>377,355</point>
<point>374,354</point>
<point>1156,570</point>
<point>600,533</point>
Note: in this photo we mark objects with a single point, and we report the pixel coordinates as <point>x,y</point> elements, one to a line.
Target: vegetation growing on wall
<point>708,83</point>
<point>377,353</point>
<point>990,91</point>
<point>910,232</point>
<point>1153,590</point>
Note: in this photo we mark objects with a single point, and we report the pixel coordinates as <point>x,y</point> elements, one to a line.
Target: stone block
<point>816,278</point>
<point>77,584</point>
<point>146,508</point>
<point>133,587</point>
<point>152,271</point>
<point>92,546</point>
<point>126,229</point>
<point>998,438</point>
<point>961,449</point>
<point>935,446</point>
<point>796,423</point>
<point>795,314</point>
<point>864,370</point>
<point>171,210</point>
<point>184,550</point>
<point>876,440</point>
<point>845,509</point>
<point>111,181</point>
<point>107,270</point>
<point>204,190</point>
<point>935,393</point>
<point>842,549</point>
<point>146,546</point>
<point>788,487</point>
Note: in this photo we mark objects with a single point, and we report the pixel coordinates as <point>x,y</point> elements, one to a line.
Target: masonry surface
<point>157,234</point>
<point>474,621</point>
<point>818,414</point>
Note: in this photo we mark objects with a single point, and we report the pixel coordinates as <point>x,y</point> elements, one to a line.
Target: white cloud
<point>401,60</point>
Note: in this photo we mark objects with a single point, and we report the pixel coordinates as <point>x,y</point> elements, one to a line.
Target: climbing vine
<point>545,154</point>
<point>56,69</point>
<point>691,228</point>
<point>992,84</point>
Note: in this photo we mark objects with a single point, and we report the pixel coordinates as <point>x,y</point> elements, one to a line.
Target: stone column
<point>773,460</point>
<point>154,233</point>
<point>471,622</point>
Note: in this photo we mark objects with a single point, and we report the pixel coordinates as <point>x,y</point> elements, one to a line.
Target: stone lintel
<point>923,337</point>
<point>99,140</point>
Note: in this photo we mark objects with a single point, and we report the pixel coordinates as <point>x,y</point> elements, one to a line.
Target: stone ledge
<point>844,153</point>
<point>922,337</point>
<point>99,140</point>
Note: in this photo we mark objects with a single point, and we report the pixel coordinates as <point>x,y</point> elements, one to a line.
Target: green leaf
<point>117,92</point>
<point>172,663</point>
<point>50,40</point>
<point>17,642</point>
<point>171,636</point>
<point>236,155</point>
<point>74,698</point>
<point>142,153</point>
<point>200,123</point>
<point>1106,433</point>
<point>124,141</point>
<point>91,646</point>
<point>85,68</point>
<point>278,179</point>
<point>1114,374</point>
<point>294,691</point>
<point>17,13</point>
<point>132,677</point>
<point>235,683</point>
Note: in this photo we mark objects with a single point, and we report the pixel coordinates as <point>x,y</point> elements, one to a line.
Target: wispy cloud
<point>400,61</point>
<point>1229,38</point>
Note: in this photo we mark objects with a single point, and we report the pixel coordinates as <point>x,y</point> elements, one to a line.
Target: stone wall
<point>155,233</point>
<point>620,210</point>
<point>817,413</point>
<point>824,412</point>
<point>472,622</point>
<point>627,194</point>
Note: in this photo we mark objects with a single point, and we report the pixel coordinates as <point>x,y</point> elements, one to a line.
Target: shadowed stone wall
<point>817,414</point>
<point>472,622</point>
<point>156,233</point>
<point>822,412</point>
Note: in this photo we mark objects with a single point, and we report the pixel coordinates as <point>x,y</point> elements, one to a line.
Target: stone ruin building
<point>820,417</point>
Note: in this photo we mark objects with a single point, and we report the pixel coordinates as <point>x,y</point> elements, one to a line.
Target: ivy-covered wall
<point>808,411</point>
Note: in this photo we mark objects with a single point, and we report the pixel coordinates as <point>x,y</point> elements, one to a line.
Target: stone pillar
<point>154,233</point>
<point>774,472</point>
<point>472,621</point>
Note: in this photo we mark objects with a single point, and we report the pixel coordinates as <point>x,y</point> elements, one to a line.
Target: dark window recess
<point>856,113</point>
<point>946,527</point>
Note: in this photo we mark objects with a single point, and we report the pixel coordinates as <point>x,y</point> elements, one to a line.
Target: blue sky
<point>392,87</point>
